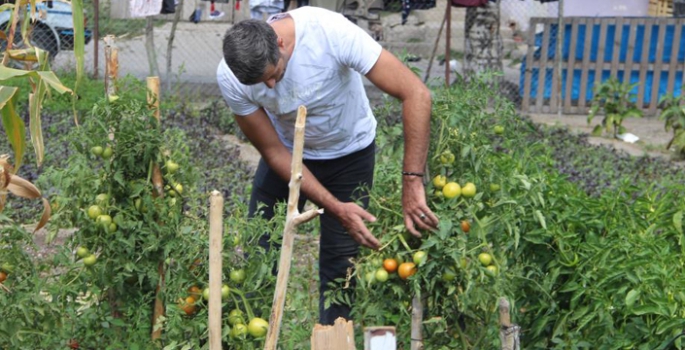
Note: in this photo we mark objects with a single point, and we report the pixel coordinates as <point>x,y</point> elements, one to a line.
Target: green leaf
<point>53,81</point>
<point>667,326</point>
<point>597,130</point>
<point>631,297</point>
<point>79,36</point>
<point>541,219</point>
<point>13,124</point>
<point>678,221</point>
<point>648,309</point>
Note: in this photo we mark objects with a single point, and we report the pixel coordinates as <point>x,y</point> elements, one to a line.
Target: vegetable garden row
<point>587,244</point>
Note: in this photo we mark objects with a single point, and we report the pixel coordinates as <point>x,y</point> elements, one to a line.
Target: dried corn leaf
<point>23,188</point>
<point>47,211</point>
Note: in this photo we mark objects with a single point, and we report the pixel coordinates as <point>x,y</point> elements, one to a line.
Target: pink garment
<point>144,8</point>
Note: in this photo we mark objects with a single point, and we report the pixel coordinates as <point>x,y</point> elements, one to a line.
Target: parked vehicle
<point>53,30</point>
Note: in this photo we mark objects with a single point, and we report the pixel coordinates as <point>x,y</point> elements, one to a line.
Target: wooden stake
<point>153,95</point>
<point>111,66</point>
<point>339,336</point>
<point>416,323</point>
<point>216,225</point>
<point>158,184</point>
<point>448,43</point>
<point>508,333</point>
<point>435,47</point>
<point>293,219</point>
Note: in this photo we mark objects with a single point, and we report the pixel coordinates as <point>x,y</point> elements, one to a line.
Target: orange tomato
<point>406,269</point>
<point>390,265</point>
<point>195,292</point>
<point>187,305</point>
<point>3,276</point>
<point>465,226</point>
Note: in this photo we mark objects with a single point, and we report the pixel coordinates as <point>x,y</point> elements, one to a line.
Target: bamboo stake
<point>111,66</point>
<point>216,208</point>
<point>293,219</point>
<point>508,332</point>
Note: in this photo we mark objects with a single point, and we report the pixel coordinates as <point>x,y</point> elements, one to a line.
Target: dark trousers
<point>348,179</point>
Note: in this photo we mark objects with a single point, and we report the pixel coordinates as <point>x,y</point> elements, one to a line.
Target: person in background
<point>317,58</point>
<point>300,3</point>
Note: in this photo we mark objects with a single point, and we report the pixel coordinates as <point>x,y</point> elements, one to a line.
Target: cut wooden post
<point>416,323</point>
<point>380,338</point>
<point>111,66</point>
<point>216,225</point>
<point>339,336</point>
<point>508,332</point>
<point>293,219</point>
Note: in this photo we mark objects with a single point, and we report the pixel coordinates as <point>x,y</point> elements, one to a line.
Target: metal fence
<point>494,36</point>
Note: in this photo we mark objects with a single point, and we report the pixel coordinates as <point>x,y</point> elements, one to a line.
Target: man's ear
<point>279,42</point>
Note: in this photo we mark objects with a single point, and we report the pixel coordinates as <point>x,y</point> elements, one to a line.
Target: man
<point>314,57</point>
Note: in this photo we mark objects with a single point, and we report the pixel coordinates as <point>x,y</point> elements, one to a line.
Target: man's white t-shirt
<point>323,74</point>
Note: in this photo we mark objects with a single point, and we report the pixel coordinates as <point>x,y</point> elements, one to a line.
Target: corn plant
<point>613,99</point>
<point>673,114</point>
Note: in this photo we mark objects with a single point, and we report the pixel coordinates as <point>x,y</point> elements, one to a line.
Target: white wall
<point>606,8</point>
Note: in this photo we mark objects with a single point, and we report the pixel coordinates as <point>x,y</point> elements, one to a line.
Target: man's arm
<point>261,133</point>
<point>395,79</point>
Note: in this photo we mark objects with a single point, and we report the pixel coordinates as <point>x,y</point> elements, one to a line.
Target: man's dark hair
<point>249,47</point>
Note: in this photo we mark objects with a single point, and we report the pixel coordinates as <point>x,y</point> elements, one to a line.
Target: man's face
<point>274,74</point>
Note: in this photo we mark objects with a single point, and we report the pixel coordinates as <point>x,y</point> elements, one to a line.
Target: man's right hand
<point>352,217</point>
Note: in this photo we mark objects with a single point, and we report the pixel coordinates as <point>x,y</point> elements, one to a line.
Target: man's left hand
<point>417,215</point>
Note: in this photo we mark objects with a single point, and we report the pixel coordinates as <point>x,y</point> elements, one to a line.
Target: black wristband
<point>409,173</point>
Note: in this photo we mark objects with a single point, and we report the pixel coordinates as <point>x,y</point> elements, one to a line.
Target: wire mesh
<point>183,47</point>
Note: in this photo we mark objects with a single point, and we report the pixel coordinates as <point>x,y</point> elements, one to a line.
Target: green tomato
<point>90,260</point>
<point>469,190</point>
<point>492,270</point>
<point>381,275</point>
<point>225,292</point>
<point>235,317</point>
<point>257,327</point>
<point>485,259</point>
<point>102,198</point>
<point>107,153</point>
<point>449,275</point>
<point>105,220</point>
<point>420,257</point>
<point>494,187</point>
<point>205,294</point>
<point>499,130</point>
<point>82,252</point>
<point>94,211</point>
<point>171,166</point>
<point>447,157</point>
<point>96,150</point>
<point>7,267</point>
<point>239,331</point>
<point>237,276</point>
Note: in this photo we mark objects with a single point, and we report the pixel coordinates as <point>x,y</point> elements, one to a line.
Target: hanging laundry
<point>168,6</point>
<point>409,5</point>
<point>144,8</point>
<point>469,3</point>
